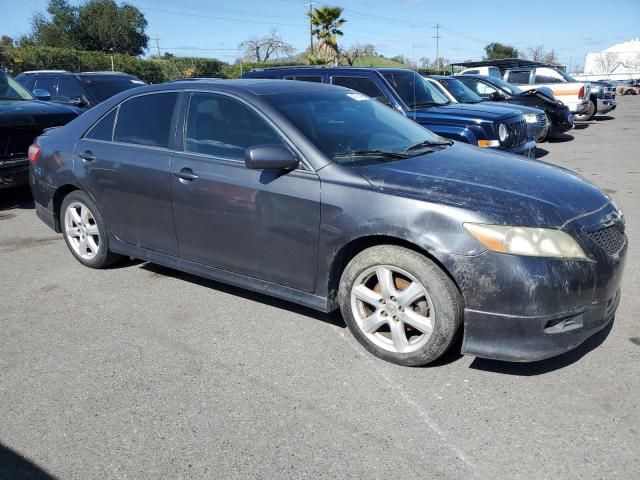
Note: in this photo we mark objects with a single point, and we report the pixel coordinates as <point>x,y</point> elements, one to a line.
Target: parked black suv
<point>498,90</point>
<point>408,92</point>
<point>84,90</point>
<point>22,119</point>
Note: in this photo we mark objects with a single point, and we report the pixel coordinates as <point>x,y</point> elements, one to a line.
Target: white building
<point>619,62</point>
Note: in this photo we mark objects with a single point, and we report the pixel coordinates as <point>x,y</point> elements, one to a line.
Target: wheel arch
<point>58,196</point>
<point>356,246</point>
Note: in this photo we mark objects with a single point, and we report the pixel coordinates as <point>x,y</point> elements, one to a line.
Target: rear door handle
<point>186,174</point>
<point>87,156</point>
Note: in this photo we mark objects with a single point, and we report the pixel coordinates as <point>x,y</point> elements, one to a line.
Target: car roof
<point>255,86</point>
<point>440,77</point>
<point>324,68</point>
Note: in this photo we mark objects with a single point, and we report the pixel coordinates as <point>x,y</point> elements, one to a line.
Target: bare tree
<point>424,62</point>
<point>261,49</point>
<point>539,54</point>
<point>607,61</point>
<point>356,51</point>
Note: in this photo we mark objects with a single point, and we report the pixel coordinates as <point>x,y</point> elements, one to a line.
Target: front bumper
<point>537,131</point>
<point>606,105</point>
<point>14,172</point>
<point>520,308</point>
<point>527,339</point>
<point>528,149</point>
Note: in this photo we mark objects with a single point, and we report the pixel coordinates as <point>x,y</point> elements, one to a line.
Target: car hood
<point>503,188</point>
<point>474,111</point>
<point>29,113</point>
<point>514,106</point>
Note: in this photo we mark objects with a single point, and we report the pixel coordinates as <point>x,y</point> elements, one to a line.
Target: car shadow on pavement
<point>603,118</point>
<point>541,152</point>
<point>16,197</point>
<point>332,318</point>
<point>560,138</point>
<point>580,126</point>
<point>544,366</point>
<point>14,465</point>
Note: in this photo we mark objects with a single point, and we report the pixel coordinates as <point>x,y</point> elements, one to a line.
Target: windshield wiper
<point>371,153</point>
<point>428,144</point>
<point>428,104</point>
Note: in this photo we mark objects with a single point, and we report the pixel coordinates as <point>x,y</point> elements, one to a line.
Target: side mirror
<point>42,94</point>
<point>497,96</point>
<point>277,157</point>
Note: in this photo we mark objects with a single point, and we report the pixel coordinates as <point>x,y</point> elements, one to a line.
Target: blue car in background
<point>408,92</point>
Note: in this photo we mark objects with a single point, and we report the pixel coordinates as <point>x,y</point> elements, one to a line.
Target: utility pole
<point>157,45</point>
<point>310,5</point>
<point>437,37</point>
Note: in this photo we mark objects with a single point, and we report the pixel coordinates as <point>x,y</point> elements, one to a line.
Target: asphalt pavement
<point>143,372</point>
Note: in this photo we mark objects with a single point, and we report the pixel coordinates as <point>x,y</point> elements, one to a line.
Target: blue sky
<point>214,28</point>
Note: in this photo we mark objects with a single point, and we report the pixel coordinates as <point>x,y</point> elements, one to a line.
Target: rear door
<point>123,161</point>
<point>259,223</point>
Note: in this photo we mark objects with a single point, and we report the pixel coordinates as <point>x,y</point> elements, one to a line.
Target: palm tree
<point>326,22</point>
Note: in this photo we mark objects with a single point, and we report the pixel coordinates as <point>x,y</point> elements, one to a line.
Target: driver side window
<point>485,90</point>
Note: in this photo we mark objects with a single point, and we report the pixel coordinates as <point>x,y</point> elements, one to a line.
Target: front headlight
<point>531,117</point>
<point>532,242</point>
<point>503,133</point>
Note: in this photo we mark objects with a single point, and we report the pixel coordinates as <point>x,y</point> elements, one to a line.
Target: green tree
<point>497,50</point>
<point>98,25</point>
<point>104,26</point>
<point>326,22</point>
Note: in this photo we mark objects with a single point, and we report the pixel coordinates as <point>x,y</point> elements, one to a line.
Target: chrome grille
<point>611,239</point>
<point>518,131</point>
<point>542,118</point>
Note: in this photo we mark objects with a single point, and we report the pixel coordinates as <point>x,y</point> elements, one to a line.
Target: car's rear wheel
<point>590,113</point>
<point>400,305</point>
<point>84,231</point>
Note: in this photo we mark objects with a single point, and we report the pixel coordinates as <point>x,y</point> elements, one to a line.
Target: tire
<point>590,113</point>
<point>85,231</point>
<point>429,324</point>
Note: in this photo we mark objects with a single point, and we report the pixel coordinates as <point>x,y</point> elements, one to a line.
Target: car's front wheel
<point>400,305</point>
<point>84,231</point>
<point>592,109</point>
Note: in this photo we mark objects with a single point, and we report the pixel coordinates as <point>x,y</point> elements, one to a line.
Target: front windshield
<point>349,127</point>
<point>12,90</point>
<point>414,90</point>
<point>506,86</point>
<point>459,90</point>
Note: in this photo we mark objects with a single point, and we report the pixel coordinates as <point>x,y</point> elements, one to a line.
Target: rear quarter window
<point>103,128</point>
<point>521,78</point>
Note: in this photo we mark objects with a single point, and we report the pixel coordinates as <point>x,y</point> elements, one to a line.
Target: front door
<point>259,223</point>
<point>125,167</point>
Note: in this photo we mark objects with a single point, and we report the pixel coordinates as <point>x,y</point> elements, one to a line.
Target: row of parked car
<point>323,196</point>
<point>481,106</point>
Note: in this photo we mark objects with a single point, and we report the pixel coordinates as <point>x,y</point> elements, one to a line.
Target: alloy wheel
<point>392,308</point>
<point>81,230</point>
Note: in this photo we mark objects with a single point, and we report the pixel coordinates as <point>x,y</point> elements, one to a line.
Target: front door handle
<point>186,174</point>
<point>87,156</point>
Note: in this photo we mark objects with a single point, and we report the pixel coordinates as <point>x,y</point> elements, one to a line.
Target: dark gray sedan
<point>321,196</point>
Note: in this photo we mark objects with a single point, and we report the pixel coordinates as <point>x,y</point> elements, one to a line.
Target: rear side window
<point>103,129</point>
<point>146,120</point>
<point>306,78</point>
<point>518,77</point>
<point>494,72</point>
<point>362,85</point>
<point>221,126</point>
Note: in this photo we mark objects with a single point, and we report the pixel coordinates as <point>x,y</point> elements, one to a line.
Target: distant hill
<point>373,61</point>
